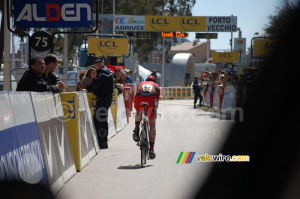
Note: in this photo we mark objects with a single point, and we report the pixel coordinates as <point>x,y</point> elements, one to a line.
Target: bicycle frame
<point>144,143</point>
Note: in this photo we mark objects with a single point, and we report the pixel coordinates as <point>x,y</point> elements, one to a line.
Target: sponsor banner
<point>229,99</point>
<point>264,47</point>
<point>114,107</point>
<point>111,125</point>
<point>221,24</point>
<point>227,57</point>
<point>70,103</point>
<point>216,98</point>
<point>127,101</point>
<point>21,157</point>
<point>120,124</point>
<point>87,145</point>
<point>126,23</point>
<point>123,110</point>
<point>132,94</point>
<point>129,23</point>
<point>90,120</point>
<point>177,23</point>
<point>240,45</point>
<point>59,131</point>
<point>114,67</point>
<point>7,119</point>
<point>92,102</point>
<point>108,46</point>
<point>52,14</point>
<point>48,141</point>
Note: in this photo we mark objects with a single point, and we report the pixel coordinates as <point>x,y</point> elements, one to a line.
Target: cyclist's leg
<point>136,130</point>
<point>152,132</point>
<point>152,136</point>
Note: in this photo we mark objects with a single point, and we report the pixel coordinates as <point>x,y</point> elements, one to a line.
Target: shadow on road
<point>137,166</point>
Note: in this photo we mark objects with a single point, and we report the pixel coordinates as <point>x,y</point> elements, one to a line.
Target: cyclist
<point>148,91</point>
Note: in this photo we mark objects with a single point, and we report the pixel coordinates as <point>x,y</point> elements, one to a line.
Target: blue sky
<point>252,16</point>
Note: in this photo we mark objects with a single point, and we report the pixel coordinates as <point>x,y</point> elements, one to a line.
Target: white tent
<point>144,73</point>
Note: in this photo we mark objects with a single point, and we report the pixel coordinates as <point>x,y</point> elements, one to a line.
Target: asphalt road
<point>116,172</point>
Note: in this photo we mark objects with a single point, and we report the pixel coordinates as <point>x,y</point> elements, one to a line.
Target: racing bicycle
<point>144,142</point>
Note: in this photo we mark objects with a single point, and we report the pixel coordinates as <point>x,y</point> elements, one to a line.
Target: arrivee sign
<point>52,13</point>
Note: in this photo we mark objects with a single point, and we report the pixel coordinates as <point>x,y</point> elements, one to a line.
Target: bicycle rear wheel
<point>143,147</point>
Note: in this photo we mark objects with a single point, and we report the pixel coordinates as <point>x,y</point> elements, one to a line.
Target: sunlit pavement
<point>116,171</point>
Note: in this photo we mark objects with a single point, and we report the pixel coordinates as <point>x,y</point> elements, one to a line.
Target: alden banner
<point>52,14</point>
<point>227,57</point>
<point>108,46</point>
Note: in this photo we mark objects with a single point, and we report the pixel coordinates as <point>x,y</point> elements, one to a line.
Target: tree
<point>274,28</point>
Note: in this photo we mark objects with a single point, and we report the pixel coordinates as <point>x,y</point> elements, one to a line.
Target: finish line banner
<point>175,23</point>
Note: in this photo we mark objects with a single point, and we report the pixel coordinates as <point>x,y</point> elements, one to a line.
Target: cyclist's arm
<point>157,96</point>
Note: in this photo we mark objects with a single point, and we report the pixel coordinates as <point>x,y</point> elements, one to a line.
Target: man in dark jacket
<point>196,88</point>
<point>102,87</point>
<point>51,62</point>
<point>32,78</point>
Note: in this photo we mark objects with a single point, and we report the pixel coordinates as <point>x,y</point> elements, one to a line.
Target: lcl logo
<point>71,111</point>
<point>159,21</point>
<point>225,55</point>
<point>190,21</point>
<point>271,45</point>
<point>108,44</point>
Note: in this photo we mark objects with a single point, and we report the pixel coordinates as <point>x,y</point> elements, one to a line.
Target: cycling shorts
<point>150,109</point>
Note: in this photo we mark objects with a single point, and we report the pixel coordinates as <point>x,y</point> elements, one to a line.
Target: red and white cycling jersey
<point>149,92</point>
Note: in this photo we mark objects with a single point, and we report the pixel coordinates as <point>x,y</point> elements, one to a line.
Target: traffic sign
<point>41,41</point>
<point>206,35</point>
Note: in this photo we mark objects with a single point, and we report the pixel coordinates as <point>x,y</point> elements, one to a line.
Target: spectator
<point>81,75</point>
<point>51,62</point>
<point>221,80</point>
<point>128,77</point>
<point>196,89</point>
<point>102,88</point>
<point>32,79</point>
<point>88,78</point>
<point>234,80</point>
<point>118,81</point>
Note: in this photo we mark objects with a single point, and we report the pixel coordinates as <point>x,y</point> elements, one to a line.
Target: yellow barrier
<point>70,103</point>
<point>92,102</point>
<point>183,91</point>
<point>177,92</point>
<point>114,107</point>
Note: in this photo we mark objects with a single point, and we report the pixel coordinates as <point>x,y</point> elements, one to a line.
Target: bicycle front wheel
<point>143,147</point>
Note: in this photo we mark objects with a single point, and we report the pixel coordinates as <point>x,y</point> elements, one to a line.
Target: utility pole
<point>6,69</point>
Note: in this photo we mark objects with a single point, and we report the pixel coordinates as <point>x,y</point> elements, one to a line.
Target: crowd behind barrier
<point>222,91</point>
<point>46,138</point>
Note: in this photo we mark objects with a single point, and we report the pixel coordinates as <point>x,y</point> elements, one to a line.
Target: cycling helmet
<point>151,78</point>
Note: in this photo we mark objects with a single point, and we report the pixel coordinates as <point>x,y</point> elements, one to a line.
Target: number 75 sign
<point>41,41</point>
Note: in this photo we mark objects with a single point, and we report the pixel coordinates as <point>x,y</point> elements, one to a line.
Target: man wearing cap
<point>102,88</point>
